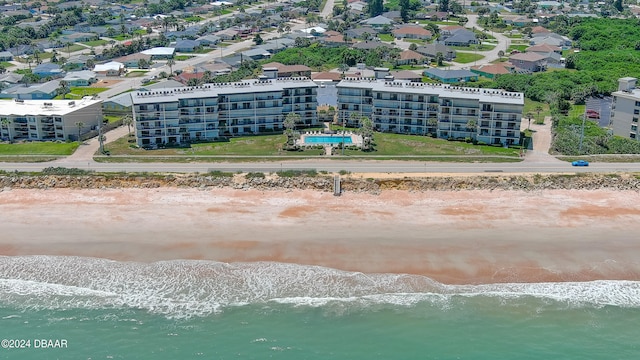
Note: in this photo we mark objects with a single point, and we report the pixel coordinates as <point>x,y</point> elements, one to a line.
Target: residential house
<point>255,54</point>
<point>393,15</point>
<point>370,45</point>
<point>451,76</point>
<point>6,56</point>
<point>516,20</point>
<point>289,70</point>
<point>44,91</point>
<point>544,49</point>
<point>406,75</point>
<point>9,79</point>
<point>378,21</point>
<point>186,45</point>
<point>433,15</point>
<point>160,53</point>
<point>48,70</point>
<point>412,32</point>
<point>432,50</point>
<point>132,61</point>
<point>539,30</point>
<point>409,57</point>
<point>552,39</point>
<point>364,32</point>
<point>491,71</point>
<point>461,38</point>
<point>75,37</point>
<point>228,34</point>
<point>357,6</point>
<point>112,68</point>
<point>209,40</point>
<point>450,30</point>
<point>49,119</point>
<point>326,76</point>
<point>80,78</point>
<point>77,62</point>
<point>533,62</point>
<point>335,41</point>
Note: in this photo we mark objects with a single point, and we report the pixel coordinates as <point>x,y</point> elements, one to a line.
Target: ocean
<point>88,308</point>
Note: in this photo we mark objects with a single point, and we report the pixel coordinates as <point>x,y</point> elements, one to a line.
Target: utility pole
<point>581,134</point>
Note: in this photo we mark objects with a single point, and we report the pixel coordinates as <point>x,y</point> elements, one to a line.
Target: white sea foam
<point>199,288</point>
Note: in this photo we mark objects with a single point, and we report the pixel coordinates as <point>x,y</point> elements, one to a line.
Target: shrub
<point>255,175</point>
<point>64,171</point>
<point>218,173</point>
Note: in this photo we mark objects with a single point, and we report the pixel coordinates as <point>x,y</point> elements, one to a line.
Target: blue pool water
<point>327,139</point>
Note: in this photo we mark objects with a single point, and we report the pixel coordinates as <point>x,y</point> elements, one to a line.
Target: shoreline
<point>452,236</point>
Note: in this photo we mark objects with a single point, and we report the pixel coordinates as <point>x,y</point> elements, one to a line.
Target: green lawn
<point>386,37</point>
<point>520,48</point>
<point>530,107</point>
<point>39,148</point>
<point>483,47</point>
<point>95,42</point>
<point>203,50</point>
<point>80,92</point>
<point>135,73</point>
<point>71,48</point>
<point>5,64</point>
<point>465,58</point>
<point>182,57</point>
<point>386,146</point>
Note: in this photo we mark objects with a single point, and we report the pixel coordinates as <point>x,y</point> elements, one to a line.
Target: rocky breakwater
<point>350,183</point>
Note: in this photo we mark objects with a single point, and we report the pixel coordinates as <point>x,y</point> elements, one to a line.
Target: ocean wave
<point>186,288</point>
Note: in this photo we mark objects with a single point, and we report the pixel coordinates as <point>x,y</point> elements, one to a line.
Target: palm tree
<point>366,130</point>
<point>128,120</point>
<point>538,110</point>
<point>63,89</point>
<point>471,127</point>
<point>80,125</point>
<point>170,63</point>
<point>5,123</point>
<point>290,125</point>
<point>343,68</point>
<point>529,116</point>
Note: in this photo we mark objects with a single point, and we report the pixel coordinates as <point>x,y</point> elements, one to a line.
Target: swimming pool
<point>327,139</point>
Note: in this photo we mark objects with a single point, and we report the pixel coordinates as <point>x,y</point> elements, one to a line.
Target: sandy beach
<point>452,236</point>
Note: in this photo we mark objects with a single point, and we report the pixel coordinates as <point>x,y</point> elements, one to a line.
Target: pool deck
<point>355,138</point>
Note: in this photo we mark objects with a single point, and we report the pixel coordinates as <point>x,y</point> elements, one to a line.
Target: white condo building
<point>182,115</point>
<point>488,115</point>
<point>49,119</point>
<point>625,109</point>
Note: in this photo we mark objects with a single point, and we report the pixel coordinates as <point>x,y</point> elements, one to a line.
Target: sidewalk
<point>541,142</point>
<point>83,156</point>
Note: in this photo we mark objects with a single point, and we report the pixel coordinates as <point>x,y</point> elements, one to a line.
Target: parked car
<point>592,114</point>
<point>580,163</point>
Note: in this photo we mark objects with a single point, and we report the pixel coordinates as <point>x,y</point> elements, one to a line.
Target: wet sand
<point>453,237</point>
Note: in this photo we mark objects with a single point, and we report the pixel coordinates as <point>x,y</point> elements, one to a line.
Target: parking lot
<point>601,106</point>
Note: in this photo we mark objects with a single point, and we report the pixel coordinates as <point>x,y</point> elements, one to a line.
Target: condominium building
<point>488,115</point>
<point>625,109</point>
<point>49,119</point>
<point>182,115</point>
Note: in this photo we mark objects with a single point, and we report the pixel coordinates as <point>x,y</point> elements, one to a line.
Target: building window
<point>635,120</point>
<point>636,112</point>
<point>632,135</point>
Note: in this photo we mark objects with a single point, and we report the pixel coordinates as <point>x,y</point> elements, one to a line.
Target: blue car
<point>580,163</point>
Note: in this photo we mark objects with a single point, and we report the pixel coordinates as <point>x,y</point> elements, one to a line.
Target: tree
<point>289,124</point>
<point>128,120</point>
<point>5,123</point>
<point>404,10</point>
<point>170,64</point>
<point>366,130</point>
<point>538,110</point>
<point>258,39</point>
<point>413,46</point>
<point>343,68</point>
<point>439,59</point>
<point>80,125</point>
<point>375,8</point>
<point>63,89</point>
<point>471,127</point>
<point>529,116</point>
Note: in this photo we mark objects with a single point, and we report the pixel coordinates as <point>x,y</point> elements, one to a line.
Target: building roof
<point>543,48</point>
<point>411,30</point>
<point>378,20</point>
<point>37,107</point>
<point>367,45</point>
<point>160,51</point>
<point>214,90</point>
<point>130,57</point>
<point>326,75</point>
<point>530,56</point>
<point>539,30</point>
<point>47,88</point>
<point>449,74</point>
<point>411,55</point>
<point>495,69</point>
<point>80,75</point>
<point>405,75</point>
<point>287,68</point>
<point>112,65</point>
<point>167,84</point>
<point>47,67</point>
<point>495,96</point>
<point>123,99</point>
